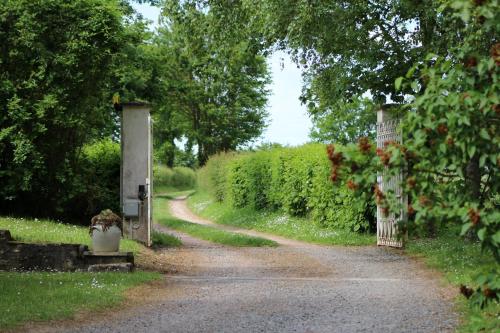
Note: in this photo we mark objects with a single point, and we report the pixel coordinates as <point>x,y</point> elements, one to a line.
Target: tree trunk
<point>473,179</point>
<point>171,154</point>
<point>473,188</point>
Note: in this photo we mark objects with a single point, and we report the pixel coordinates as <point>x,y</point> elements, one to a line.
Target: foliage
<point>451,151</point>
<point>216,86</point>
<point>177,177</point>
<point>274,222</point>
<point>345,121</point>
<point>348,51</point>
<point>211,234</point>
<point>105,219</point>
<point>55,63</point>
<point>165,240</point>
<point>293,179</point>
<point>460,262</point>
<point>97,185</point>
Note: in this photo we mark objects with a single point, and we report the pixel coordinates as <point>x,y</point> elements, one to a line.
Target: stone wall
<point>26,256</point>
<point>19,256</point>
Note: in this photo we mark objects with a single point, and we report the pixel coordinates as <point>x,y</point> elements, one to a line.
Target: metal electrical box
<point>131,208</point>
<point>136,171</point>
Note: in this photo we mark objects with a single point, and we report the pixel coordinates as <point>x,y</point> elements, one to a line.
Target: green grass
<point>211,234</point>
<point>172,192</point>
<point>41,296</point>
<point>47,296</point>
<point>460,261</point>
<point>161,239</point>
<point>277,223</point>
<point>46,231</point>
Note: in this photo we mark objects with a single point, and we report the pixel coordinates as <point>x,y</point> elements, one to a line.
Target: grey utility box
<point>131,208</point>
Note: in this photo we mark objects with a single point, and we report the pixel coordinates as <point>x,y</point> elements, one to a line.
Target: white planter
<point>106,241</point>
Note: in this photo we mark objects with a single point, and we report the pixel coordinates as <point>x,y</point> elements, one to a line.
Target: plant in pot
<point>106,230</point>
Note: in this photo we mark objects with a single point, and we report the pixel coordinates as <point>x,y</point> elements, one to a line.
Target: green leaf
<point>496,237</point>
<point>471,151</point>
<point>414,86</point>
<point>481,233</point>
<point>484,134</point>
<point>398,83</point>
<point>465,228</point>
<point>482,160</point>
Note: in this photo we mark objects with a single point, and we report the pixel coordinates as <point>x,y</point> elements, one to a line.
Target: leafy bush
<point>97,186</point>
<point>56,62</point>
<point>450,148</point>
<point>177,177</point>
<point>213,177</point>
<point>295,180</point>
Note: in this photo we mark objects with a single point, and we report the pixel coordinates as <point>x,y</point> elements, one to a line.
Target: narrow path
<point>178,208</point>
<point>296,287</point>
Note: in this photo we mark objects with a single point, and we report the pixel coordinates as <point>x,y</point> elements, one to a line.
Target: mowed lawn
<point>42,296</point>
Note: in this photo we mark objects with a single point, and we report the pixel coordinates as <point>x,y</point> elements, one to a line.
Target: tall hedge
<point>96,186</point>
<point>56,58</point>
<point>295,180</point>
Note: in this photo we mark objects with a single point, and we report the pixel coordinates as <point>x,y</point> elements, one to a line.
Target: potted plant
<point>106,230</point>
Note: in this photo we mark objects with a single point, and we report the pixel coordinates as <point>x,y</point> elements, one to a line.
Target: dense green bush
<point>213,177</point>
<point>97,185</point>
<point>55,64</point>
<point>177,177</point>
<point>293,179</point>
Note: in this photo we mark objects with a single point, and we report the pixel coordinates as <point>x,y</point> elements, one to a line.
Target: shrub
<point>177,177</point>
<point>97,186</point>
<point>213,177</point>
<point>295,180</point>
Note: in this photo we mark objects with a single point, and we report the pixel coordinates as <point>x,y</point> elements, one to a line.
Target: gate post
<point>136,171</point>
<point>388,233</point>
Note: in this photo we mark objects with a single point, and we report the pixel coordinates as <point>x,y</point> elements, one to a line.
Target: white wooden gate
<point>388,233</point>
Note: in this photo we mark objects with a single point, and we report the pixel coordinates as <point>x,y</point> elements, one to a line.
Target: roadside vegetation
<point>161,239</point>
<point>460,261</point>
<point>294,180</point>
<point>274,222</point>
<point>176,181</point>
<point>208,233</point>
<point>42,296</point>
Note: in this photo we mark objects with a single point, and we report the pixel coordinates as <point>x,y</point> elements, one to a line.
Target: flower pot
<point>106,241</point>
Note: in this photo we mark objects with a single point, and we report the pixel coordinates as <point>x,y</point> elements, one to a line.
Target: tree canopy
<point>56,58</point>
<point>219,83</point>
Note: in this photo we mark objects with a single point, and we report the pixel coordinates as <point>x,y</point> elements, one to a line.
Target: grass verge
<point>47,231</point>
<point>165,240</point>
<point>460,261</point>
<point>41,296</point>
<point>208,233</point>
<point>277,223</point>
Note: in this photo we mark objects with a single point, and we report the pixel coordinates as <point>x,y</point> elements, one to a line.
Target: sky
<point>288,122</point>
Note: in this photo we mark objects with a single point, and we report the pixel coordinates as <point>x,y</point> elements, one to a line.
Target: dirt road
<point>296,287</point>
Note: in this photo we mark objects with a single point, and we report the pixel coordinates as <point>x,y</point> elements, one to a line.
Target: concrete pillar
<point>136,171</point>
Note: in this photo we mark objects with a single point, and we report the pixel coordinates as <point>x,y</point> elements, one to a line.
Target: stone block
<point>116,267</point>
<point>5,236</point>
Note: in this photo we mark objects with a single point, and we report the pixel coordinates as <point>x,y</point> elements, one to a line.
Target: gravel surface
<point>296,287</point>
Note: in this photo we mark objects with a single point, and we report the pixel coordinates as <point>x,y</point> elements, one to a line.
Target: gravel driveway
<point>296,287</point>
